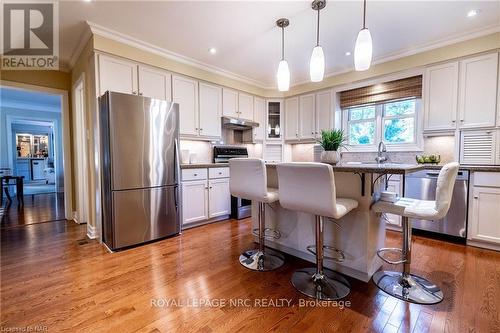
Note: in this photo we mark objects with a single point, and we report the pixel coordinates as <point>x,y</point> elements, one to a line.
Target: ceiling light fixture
<point>283,74</point>
<point>473,12</point>
<point>212,50</point>
<point>317,62</point>
<point>363,49</point>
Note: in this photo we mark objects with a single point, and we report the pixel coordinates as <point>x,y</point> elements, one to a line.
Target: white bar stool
<point>403,285</point>
<point>248,180</point>
<point>310,188</point>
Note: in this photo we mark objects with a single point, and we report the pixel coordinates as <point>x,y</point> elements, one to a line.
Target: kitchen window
<point>393,122</point>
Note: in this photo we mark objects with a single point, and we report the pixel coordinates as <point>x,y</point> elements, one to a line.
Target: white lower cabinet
<point>484,210</point>
<point>205,195</point>
<point>393,221</point>
<point>219,197</point>
<point>194,201</point>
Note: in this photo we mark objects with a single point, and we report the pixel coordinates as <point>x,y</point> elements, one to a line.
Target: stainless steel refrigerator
<point>140,169</point>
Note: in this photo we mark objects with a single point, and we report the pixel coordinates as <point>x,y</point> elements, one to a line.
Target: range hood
<point>238,124</point>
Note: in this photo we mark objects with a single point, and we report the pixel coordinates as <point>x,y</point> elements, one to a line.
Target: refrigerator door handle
<point>177,162</point>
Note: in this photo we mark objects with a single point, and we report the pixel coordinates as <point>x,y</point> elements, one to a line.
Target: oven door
<point>240,208</point>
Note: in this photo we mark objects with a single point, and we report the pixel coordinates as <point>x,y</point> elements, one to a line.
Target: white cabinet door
<point>323,112</point>
<point>477,147</point>
<point>185,92</point>
<point>230,103</point>
<point>245,106</point>
<point>306,117</point>
<point>259,117</point>
<point>485,224</point>
<point>392,219</point>
<point>155,83</point>
<point>219,197</point>
<point>441,97</point>
<point>194,201</point>
<point>292,118</point>
<point>210,110</point>
<point>117,75</point>
<point>478,91</point>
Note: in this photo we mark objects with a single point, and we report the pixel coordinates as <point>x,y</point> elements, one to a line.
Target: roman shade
<point>382,92</point>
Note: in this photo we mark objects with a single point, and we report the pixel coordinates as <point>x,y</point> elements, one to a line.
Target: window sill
<point>390,148</point>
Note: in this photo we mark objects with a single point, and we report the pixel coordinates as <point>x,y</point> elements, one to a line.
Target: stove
<point>240,208</point>
<point>222,154</point>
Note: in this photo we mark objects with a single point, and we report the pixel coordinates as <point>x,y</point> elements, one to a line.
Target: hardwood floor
<point>53,278</point>
<point>38,208</point>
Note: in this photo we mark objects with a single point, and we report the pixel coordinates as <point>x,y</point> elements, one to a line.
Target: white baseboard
<point>91,232</point>
<point>484,245</point>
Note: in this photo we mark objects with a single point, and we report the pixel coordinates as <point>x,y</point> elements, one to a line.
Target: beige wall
<point>50,79</point>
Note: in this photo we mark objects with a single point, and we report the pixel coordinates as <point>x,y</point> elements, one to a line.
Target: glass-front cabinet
<point>274,120</point>
<point>23,145</point>
<point>29,145</point>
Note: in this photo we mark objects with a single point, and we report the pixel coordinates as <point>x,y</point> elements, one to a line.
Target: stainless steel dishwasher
<point>422,185</point>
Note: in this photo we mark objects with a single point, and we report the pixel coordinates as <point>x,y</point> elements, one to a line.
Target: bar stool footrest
<point>269,233</point>
<point>380,254</point>
<point>340,256</point>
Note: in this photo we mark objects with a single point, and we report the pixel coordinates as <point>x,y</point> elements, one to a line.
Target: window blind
<point>382,92</point>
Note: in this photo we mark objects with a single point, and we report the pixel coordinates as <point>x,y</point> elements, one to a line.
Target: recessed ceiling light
<point>473,12</point>
<point>212,50</point>
<point>348,53</point>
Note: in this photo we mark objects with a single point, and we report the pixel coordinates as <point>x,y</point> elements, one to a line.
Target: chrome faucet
<point>381,149</point>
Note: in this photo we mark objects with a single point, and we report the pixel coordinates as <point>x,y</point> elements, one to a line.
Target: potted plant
<point>331,141</point>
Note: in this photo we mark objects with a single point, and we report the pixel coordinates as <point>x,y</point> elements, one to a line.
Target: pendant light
<point>283,74</point>
<point>363,48</point>
<point>317,62</point>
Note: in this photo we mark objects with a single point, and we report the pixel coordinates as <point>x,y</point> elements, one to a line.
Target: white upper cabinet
<point>478,91</point>
<point>185,92</point>
<point>306,117</point>
<point>292,118</point>
<point>210,110</point>
<point>441,97</point>
<point>155,83</point>
<point>245,106</point>
<point>260,118</point>
<point>117,75</point>
<point>230,102</point>
<point>323,112</point>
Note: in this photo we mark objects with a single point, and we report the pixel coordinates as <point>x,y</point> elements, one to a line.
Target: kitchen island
<point>359,234</point>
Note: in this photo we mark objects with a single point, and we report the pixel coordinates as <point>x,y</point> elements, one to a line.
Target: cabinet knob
<point>312,132</point>
<point>196,128</point>
<point>134,92</point>
<point>453,121</point>
<point>220,173</point>
<point>195,174</point>
<point>201,129</point>
<point>140,94</point>
<point>476,197</point>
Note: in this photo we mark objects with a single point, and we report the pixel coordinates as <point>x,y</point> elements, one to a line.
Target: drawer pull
<point>195,174</point>
<point>220,173</point>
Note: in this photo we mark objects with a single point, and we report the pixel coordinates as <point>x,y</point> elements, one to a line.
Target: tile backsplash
<point>204,150</point>
<point>442,145</point>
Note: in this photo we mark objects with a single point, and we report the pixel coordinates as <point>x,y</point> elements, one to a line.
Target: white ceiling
<point>248,42</point>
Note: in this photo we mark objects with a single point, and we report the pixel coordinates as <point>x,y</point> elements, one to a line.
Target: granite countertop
<point>390,168</point>
<point>485,168</point>
<point>204,165</point>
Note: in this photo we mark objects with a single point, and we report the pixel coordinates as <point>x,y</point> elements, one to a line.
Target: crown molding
<point>137,43</point>
<point>457,38</point>
<point>84,38</point>
<point>142,45</point>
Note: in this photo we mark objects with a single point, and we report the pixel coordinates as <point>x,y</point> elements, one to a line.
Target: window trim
<point>416,146</point>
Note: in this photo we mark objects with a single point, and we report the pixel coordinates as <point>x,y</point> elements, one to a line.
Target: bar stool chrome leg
<point>320,283</point>
<point>404,285</point>
<point>261,259</point>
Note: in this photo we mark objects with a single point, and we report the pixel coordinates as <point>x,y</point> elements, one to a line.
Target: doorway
<point>34,152</point>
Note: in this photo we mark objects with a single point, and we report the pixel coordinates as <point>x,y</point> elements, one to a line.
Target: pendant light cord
<point>282,43</point>
<point>364,14</point>
<point>317,30</point>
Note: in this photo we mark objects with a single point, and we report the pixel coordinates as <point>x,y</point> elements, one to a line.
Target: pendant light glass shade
<point>317,64</point>
<point>363,50</point>
<point>283,76</point>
